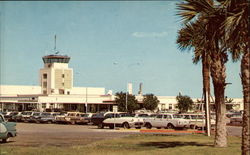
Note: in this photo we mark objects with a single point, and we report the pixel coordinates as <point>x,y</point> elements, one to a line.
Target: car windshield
<point>45,114</point>
<point>124,115</point>
<point>153,115</point>
<point>143,115</point>
<point>84,115</point>
<point>99,115</point>
<point>236,115</point>
<point>200,116</point>
<point>177,116</point>
<point>27,113</point>
<point>36,114</point>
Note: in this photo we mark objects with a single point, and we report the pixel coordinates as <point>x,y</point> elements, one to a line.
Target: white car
<point>122,120</point>
<point>168,121</point>
<point>197,120</point>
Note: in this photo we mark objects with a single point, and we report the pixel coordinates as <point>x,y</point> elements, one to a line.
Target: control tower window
<point>44,84</point>
<point>44,92</point>
<point>61,91</point>
<point>45,76</point>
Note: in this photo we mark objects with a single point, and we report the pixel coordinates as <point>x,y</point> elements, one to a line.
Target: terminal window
<point>45,76</point>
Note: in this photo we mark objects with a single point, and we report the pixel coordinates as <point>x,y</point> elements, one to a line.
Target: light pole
<point>86,101</point>
<point>126,101</point>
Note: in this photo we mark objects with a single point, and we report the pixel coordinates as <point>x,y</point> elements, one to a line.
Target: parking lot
<point>32,134</point>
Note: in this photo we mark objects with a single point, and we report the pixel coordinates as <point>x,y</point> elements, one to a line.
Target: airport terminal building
<point>56,92</point>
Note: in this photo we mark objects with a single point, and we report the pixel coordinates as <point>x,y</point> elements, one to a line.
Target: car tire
<point>6,139</point>
<point>111,126</point>
<point>138,127</point>
<point>148,125</point>
<point>170,126</point>
<point>100,126</point>
<point>193,126</point>
<point>126,125</point>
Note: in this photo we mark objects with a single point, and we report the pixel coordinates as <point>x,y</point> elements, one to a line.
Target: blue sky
<point>110,43</point>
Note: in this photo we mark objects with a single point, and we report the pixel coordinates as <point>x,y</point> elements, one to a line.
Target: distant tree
<point>229,106</point>
<point>150,102</point>
<point>184,103</point>
<point>132,103</point>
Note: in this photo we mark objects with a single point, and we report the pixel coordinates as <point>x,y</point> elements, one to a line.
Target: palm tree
<point>193,10</point>
<point>190,37</point>
<point>237,40</point>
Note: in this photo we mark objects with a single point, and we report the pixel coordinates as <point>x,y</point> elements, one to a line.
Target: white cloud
<point>149,34</point>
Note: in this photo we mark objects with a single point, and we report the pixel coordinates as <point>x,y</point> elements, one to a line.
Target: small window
<point>61,91</point>
<point>159,116</point>
<point>68,92</point>
<point>44,105</point>
<point>62,75</point>
<point>44,76</point>
<point>45,84</point>
<point>44,92</point>
<point>170,106</point>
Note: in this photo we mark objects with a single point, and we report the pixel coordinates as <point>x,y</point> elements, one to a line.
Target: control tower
<point>56,77</point>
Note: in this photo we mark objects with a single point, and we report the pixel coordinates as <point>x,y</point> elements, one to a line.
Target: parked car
<point>48,117</point>
<point>34,117</point>
<point>72,117</point>
<point>25,116</point>
<point>168,121</point>
<point>7,114</point>
<point>121,120</point>
<point>236,118</point>
<point>65,117</point>
<point>84,118</point>
<point>17,117</point>
<point>98,118</point>
<point>197,121</point>
<point>10,115</point>
<point>7,129</point>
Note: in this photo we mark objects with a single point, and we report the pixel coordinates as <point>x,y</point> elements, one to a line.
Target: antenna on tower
<point>55,43</point>
<point>55,46</point>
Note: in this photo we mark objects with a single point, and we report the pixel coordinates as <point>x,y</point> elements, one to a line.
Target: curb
<point>160,131</point>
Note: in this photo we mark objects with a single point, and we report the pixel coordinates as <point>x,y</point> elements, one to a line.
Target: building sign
<point>27,99</point>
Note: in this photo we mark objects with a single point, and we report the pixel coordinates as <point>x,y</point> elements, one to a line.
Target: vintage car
<point>11,115</point>
<point>25,116</point>
<point>121,120</point>
<point>236,118</point>
<point>168,121</point>
<point>34,117</point>
<point>48,117</point>
<point>83,118</point>
<point>67,118</point>
<point>7,129</point>
<point>97,118</point>
<point>197,121</point>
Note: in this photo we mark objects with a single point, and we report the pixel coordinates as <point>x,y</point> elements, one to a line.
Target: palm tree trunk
<point>206,84</point>
<point>245,79</point>
<point>218,73</point>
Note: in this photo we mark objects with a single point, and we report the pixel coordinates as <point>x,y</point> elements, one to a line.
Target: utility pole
<point>86,101</point>
<point>208,125</point>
